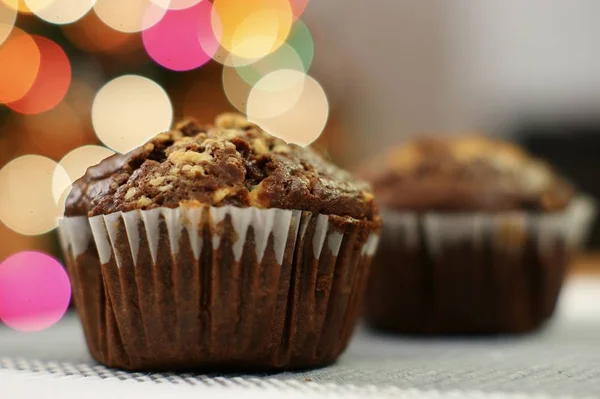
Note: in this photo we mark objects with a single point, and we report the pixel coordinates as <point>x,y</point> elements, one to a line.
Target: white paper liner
<point>571,226</point>
<point>212,287</point>
<point>77,232</point>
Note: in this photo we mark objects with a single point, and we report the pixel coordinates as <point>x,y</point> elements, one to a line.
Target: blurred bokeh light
<point>8,14</point>
<point>177,4</point>
<point>129,110</point>
<point>131,15</point>
<point>179,41</point>
<point>19,65</point>
<point>252,29</point>
<point>275,94</point>
<point>284,58</point>
<point>29,206</point>
<point>59,11</point>
<point>236,88</point>
<point>300,39</point>
<point>52,80</point>
<point>17,5</point>
<point>34,291</point>
<point>290,105</point>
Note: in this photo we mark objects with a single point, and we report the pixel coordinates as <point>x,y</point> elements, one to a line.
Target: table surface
<point>561,359</point>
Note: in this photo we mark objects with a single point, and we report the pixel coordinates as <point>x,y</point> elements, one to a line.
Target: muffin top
<point>465,173</point>
<point>232,162</point>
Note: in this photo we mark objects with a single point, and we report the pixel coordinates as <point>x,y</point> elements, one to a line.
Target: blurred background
<point>82,79</point>
<point>525,71</point>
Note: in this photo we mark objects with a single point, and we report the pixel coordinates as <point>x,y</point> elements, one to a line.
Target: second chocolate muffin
<point>476,238</point>
<point>218,247</point>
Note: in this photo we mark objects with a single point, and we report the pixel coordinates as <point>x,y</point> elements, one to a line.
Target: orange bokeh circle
<point>251,29</point>
<point>51,83</point>
<point>19,65</point>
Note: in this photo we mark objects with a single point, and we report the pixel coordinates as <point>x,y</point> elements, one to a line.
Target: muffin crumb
<point>181,157</point>
<point>130,193</point>
<point>221,193</point>
<point>157,181</point>
<point>260,147</point>
<point>232,120</point>
<point>144,201</point>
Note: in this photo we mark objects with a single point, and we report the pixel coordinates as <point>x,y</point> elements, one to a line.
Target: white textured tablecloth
<point>562,360</point>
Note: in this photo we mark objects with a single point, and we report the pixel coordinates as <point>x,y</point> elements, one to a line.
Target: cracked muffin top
<point>465,173</point>
<point>232,162</point>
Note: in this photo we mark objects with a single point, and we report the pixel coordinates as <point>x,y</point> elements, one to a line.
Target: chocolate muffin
<point>476,238</point>
<point>218,247</point>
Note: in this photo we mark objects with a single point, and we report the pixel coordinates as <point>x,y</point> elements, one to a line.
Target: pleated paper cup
<point>217,288</point>
<point>472,273</point>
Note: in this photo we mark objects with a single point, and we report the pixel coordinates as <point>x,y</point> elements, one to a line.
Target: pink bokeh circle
<point>34,291</point>
<point>180,41</point>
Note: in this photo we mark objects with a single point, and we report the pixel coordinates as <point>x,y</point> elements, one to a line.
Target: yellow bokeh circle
<point>252,29</point>
<point>60,11</point>
<point>129,110</point>
<point>290,105</point>
<point>130,15</point>
<point>27,203</point>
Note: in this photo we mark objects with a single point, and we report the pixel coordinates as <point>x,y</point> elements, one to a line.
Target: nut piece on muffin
<point>218,247</point>
<point>476,237</point>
